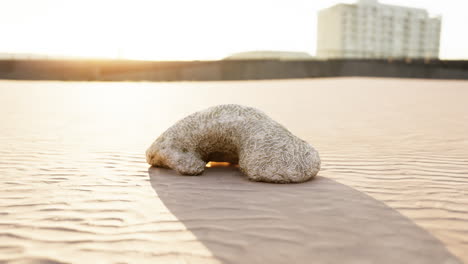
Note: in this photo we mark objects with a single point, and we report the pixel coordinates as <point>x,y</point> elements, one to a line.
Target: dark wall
<point>226,69</point>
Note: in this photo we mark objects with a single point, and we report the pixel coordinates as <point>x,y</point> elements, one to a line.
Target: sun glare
<point>181,29</point>
<point>142,30</point>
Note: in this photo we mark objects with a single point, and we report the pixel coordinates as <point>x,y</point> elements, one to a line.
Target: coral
<point>265,150</point>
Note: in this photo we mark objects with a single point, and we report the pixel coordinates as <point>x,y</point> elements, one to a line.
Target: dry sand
<point>393,187</point>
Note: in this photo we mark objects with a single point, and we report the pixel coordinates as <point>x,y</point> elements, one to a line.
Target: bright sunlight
<point>182,29</point>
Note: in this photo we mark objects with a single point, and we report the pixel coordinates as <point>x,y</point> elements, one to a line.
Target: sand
<point>393,187</point>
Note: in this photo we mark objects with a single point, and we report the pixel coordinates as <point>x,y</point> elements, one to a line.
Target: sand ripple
<point>393,189</point>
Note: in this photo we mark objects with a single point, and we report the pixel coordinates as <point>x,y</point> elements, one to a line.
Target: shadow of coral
<point>320,221</point>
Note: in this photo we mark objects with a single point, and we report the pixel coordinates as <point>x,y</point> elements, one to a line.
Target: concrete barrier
<point>87,70</point>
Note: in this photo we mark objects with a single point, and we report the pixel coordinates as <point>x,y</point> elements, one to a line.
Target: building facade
<point>372,30</point>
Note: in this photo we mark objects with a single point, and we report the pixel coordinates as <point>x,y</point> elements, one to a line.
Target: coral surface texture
<point>264,150</point>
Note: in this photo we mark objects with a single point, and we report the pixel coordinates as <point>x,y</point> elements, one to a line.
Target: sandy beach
<point>75,187</point>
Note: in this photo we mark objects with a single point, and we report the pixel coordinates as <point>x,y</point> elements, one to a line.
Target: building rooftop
<point>270,54</point>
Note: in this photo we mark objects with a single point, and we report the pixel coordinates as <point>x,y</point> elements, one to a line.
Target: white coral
<point>265,150</point>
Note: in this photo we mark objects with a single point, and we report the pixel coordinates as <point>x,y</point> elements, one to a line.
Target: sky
<point>187,29</point>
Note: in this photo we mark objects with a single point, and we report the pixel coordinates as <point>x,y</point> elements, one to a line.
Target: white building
<point>369,29</point>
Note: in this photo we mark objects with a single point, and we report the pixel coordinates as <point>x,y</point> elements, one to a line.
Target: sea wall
<point>226,69</point>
